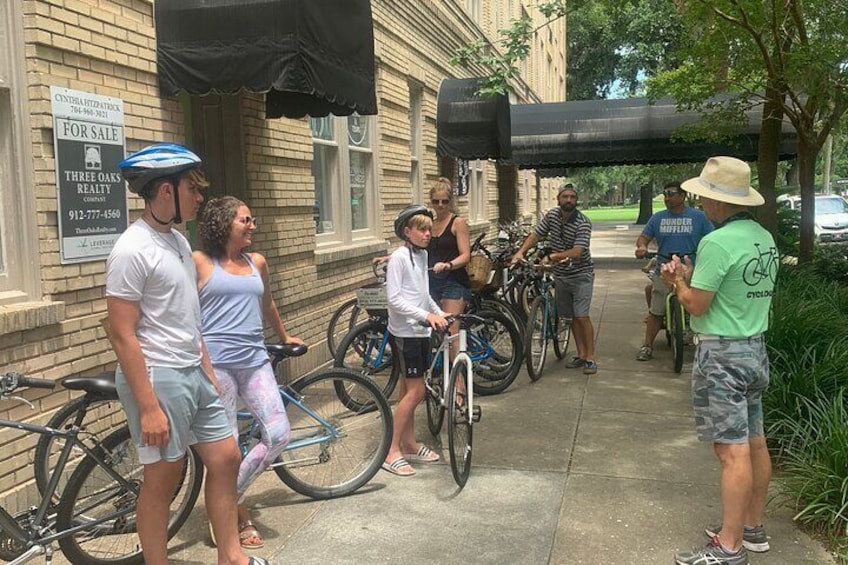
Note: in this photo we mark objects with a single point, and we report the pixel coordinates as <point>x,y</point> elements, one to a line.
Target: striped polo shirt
<point>564,234</point>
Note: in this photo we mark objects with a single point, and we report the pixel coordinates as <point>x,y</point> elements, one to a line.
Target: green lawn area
<point>613,214</point>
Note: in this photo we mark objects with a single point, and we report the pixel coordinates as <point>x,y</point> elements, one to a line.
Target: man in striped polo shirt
<point>568,232</point>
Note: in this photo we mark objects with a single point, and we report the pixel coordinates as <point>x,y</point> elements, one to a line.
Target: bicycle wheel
<point>367,350</point>
<point>101,417</point>
<point>334,450</point>
<point>507,310</point>
<point>459,424</point>
<point>562,336</point>
<point>536,339</point>
<point>344,319</point>
<point>108,507</point>
<point>496,351</point>
<point>432,396</point>
<point>677,333</point>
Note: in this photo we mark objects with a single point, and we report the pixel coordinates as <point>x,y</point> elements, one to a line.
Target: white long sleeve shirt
<point>408,291</point>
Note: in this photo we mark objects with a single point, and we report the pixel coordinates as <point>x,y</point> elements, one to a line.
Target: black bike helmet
<point>404,215</point>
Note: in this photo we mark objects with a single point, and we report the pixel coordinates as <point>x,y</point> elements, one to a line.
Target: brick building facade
<point>325,190</point>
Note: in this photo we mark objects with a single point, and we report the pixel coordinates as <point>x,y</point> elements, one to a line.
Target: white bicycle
<point>450,387</point>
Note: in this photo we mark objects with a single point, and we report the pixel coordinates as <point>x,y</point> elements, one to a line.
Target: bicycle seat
<point>101,385</point>
<point>283,350</point>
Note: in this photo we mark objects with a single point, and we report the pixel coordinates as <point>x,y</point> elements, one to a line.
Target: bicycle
<point>493,347</point>
<point>676,320</point>
<point>544,324</point>
<point>449,393</point>
<point>94,519</point>
<point>341,430</point>
<point>352,311</point>
<point>319,426</point>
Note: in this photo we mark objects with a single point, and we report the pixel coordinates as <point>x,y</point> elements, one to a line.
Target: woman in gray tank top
<point>235,303</point>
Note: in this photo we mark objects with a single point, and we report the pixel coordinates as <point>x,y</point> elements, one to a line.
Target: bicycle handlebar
<point>12,380</point>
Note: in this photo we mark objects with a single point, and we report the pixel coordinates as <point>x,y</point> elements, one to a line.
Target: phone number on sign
<point>77,215</point>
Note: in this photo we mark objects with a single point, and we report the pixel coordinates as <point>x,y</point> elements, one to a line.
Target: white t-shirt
<point>408,292</point>
<point>145,267</point>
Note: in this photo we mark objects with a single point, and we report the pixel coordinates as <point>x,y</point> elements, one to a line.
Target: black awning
<point>621,132</point>
<point>311,57</point>
<point>468,126</point>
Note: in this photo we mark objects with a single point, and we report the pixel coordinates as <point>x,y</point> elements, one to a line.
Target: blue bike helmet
<point>155,162</point>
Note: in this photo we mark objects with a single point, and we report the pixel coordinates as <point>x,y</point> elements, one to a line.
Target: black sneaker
<point>712,554</point>
<point>754,539</point>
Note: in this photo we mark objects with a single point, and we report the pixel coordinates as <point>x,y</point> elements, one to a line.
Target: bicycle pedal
<point>476,414</point>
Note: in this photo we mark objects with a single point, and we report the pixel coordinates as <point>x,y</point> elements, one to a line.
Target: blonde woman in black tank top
<point>449,252</point>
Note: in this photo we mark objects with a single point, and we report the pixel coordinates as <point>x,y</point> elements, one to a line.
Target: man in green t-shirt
<point>729,296</point>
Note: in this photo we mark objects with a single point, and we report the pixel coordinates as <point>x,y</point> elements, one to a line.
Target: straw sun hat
<point>725,179</point>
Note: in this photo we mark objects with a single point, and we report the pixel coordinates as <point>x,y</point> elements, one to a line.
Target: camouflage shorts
<point>728,380</point>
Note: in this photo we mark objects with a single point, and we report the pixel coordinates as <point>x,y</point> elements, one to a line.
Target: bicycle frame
<point>443,355</point>
<point>8,522</point>
<point>296,442</point>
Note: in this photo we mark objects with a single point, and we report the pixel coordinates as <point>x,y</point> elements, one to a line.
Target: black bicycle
<point>94,518</point>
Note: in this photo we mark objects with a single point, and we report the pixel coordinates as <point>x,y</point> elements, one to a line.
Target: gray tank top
<point>231,309</point>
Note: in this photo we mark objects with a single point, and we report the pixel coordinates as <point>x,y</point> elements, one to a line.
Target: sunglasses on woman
<point>247,220</point>
<point>440,201</point>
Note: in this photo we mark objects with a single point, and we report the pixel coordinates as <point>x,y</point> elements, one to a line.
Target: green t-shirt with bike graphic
<point>738,262</point>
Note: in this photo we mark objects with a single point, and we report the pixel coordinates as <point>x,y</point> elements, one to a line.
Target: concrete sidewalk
<point>568,470</point>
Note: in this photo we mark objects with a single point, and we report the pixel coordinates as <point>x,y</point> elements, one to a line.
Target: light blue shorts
<point>195,411</point>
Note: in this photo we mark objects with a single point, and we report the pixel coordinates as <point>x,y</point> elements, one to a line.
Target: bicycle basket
<point>480,269</point>
<point>373,299</point>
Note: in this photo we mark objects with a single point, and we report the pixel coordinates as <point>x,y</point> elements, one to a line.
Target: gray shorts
<point>194,410</point>
<point>574,295</point>
<point>659,292</point>
<point>728,380</point>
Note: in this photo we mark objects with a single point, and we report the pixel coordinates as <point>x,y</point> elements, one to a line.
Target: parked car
<point>831,223</point>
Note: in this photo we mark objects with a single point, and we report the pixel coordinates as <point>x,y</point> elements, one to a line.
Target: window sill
<point>335,253</point>
<point>30,315</point>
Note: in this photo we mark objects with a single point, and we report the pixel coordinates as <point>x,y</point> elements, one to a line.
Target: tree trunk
<point>646,204</point>
<point>807,153</point>
<point>768,150</point>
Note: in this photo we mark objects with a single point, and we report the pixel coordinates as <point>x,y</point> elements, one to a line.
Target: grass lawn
<point>613,214</point>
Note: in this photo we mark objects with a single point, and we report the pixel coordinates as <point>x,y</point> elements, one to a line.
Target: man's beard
<point>567,207</point>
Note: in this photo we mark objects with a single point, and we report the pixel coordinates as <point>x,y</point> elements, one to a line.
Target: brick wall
<point>107,47</point>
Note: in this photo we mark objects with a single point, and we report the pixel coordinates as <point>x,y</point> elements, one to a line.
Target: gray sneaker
<point>646,353</point>
<point>575,362</point>
<point>711,554</point>
<point>754,539</point>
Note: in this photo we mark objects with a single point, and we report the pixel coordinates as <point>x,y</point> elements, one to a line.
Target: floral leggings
<point>258,390</point>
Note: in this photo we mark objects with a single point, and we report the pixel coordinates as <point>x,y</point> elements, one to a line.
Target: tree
<point>789,55</point>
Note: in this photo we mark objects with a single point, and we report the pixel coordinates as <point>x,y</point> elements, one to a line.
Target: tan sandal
<point>249,536</point>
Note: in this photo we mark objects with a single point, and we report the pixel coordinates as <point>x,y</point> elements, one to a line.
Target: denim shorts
<point>445,288</point>
<point>574,295</point>
<point>728,380</point>
<point>194,410</point>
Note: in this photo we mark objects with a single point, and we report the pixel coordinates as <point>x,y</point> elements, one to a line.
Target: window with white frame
<point>416,94</point>
<point>343,171</point>
<point>477,190</point>
<point>19,278</point>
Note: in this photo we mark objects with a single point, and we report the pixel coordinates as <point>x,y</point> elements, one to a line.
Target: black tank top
<point>443,248</point>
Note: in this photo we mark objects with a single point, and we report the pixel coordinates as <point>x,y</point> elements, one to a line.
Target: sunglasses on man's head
<point>673,192</point>
<point>440,200</point>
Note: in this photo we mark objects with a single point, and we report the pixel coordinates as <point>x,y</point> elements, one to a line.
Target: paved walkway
<point>568,470</point>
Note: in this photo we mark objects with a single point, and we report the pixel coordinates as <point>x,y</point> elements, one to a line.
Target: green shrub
<point>816,460</point>
<point>831,262</point>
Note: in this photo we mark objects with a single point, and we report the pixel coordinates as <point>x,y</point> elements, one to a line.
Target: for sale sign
<point>88,137</point>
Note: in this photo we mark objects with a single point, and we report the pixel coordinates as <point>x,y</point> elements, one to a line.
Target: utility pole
<point>828,152</point>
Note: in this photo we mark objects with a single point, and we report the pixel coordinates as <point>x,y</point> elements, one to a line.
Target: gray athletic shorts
<point>574,295</point>
<point>658,294</point>
<point>728,380</point>
<point>194,410</point>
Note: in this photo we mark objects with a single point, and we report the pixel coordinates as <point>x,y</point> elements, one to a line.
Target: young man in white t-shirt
<point>165,379</point>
